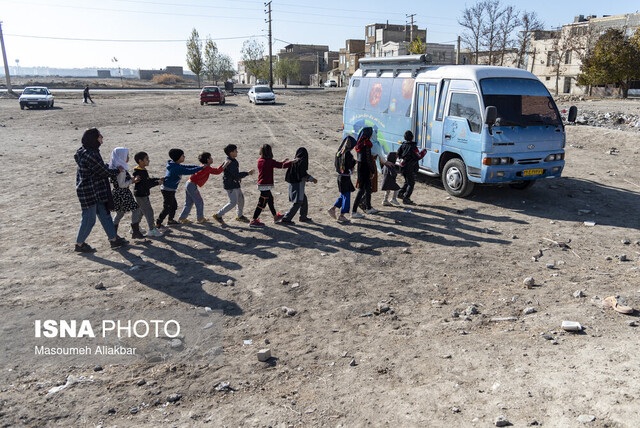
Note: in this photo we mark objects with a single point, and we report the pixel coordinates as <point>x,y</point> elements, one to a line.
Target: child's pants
<point>409,183</point>
<point>145,209</point>
<point>302,206</point>
<point>120,214</point>
<point>266,198</point>
<point>344,202</point>
<point>169,206</point>
<point>236,197</point>
<point>388,192</point>
<point>192,196</point>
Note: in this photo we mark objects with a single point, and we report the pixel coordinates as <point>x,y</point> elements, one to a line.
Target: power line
<point>125,41</point>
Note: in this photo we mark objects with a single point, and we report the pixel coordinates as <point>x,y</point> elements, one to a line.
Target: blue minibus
<point>479,124</point>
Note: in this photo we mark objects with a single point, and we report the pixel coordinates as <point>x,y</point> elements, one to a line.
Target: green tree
<point>194,54</point>
<point>417,47</point>
<point>253,57</point>
<point>224,67</point>
<point>287,68</point>
<point>614,59</point>
<point>210,58</point>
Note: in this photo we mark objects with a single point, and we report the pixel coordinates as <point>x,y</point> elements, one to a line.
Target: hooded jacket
<point>174,171</point>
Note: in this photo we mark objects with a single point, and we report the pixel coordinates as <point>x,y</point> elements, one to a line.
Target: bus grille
<point>529,161</point>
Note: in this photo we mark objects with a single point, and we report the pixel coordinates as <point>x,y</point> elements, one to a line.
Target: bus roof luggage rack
<point>395,64</point>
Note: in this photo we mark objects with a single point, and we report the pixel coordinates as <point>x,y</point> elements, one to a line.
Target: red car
<point>211,94</point>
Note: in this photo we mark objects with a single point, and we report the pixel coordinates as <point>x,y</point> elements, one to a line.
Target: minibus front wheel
<point>455,180</point>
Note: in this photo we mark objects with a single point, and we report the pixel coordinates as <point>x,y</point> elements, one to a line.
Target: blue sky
<point>156,30</point>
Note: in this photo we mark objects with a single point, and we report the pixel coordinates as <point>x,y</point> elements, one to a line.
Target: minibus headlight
<point>554,157</point>
<point>497,161</point>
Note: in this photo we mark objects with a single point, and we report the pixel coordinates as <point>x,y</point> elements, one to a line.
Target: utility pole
<point>458,52</point>
<point>411,28</point>
<point>270,57</point>
<point>6,65</point>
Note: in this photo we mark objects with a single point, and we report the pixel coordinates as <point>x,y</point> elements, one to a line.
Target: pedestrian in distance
<point>86,96</point>
<point>94,193</point>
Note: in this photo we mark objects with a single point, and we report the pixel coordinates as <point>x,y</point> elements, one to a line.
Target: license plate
<point>529,172</point>
<point>32,102</point>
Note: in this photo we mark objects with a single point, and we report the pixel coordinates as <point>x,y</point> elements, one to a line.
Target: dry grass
<point>167,79</point>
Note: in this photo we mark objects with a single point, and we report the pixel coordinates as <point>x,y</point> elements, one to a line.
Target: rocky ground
<point>417,316</point>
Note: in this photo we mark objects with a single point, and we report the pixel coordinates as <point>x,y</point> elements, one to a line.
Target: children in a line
<point>389,185</point>
<point>141,191</point>
<point>297,176</point>
<point>192,194</point>
<point>344,163</point>
<point>411,156</point>
<point>266,164</point>
<point>170,185</point>
<point>123,200</point>
<point>231,183</point>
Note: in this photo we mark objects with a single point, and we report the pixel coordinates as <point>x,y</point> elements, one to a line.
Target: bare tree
<point>509,21</point>
<point>529,23</point>
<point>473,20</point>
<point>490,30</point>
<point>561,46</point>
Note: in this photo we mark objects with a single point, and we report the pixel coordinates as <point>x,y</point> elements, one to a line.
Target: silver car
<point>261,94</point>
<point>36,96</point>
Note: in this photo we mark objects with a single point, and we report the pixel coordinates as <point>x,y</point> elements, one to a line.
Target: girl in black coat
<point>389,175</point>
<point>345,163</point>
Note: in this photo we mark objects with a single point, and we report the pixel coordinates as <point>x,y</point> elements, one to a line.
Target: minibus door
<point>425,105</point>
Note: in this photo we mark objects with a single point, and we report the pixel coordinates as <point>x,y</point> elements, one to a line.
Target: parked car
<point>331,84</point>
<point>36,96</point>
<point>261,95</point>
<point>211,94</point>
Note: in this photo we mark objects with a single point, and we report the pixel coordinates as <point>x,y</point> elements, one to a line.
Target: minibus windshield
<point>520,102</point>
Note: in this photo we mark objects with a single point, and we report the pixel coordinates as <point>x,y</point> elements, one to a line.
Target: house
<point>436,53</point>
<point>311,59</point>
<point>349,57</point>
<point>555,57</point>
<point>377,35</point>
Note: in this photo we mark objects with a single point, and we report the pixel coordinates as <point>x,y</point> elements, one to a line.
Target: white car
<point>36,96</point>
<point>261,94</point>
<point>331,84</point>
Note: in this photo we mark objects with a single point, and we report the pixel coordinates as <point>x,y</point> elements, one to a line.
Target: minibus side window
<point>444,88</point>
<point>358,93</point>
<point>401,94</point>
<point>466,106</point>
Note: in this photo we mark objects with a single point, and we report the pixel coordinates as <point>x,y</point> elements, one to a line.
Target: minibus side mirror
<point>490,115</point>
<point>573,113</point>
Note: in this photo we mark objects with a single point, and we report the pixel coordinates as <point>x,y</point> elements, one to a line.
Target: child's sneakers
<point>154,233</point>
<point>203,220</point>
<point>136,234</point>
<point>372,211</point>
<point>277,217</point>
<point>218,218</point>
<point>332,212</point>
<point>394,201</point>
<point>343,219</point>
<point>242,219</point>
<point>171,222</point>
<point>386,203</point>
<point>184,221</point>
<point>256,223</point>
<point>357,215</point>
<point>84,248</point>
<point>118,242</point>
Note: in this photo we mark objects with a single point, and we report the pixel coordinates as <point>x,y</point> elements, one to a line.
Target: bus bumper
<point>511,173</point>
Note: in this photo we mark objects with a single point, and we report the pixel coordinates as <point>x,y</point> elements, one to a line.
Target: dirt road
<point>454,349</point>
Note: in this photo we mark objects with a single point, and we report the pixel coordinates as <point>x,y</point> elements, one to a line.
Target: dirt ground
<point>428,361</point>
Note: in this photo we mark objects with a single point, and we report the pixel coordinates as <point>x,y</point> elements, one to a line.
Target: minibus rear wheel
<point>455,180</point>
<point>522,185</point>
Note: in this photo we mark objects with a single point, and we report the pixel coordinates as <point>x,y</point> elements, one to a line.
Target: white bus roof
<point>470,72</point>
